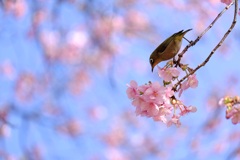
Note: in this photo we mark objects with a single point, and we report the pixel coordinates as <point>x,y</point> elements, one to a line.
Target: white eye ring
<point>151,60</point>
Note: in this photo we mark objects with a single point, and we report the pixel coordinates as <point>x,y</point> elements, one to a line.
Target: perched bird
<point>167,49</point>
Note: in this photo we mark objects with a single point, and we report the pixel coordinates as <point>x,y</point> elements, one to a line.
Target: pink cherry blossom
<point>236,118</point>
<point>155,101</point>
<point>164,112</point>
<point>168,73</point>
<point>227,2</point>
<point>153,110</point>
<point>143,88</point>
<point>174,120</point>
<point>169,92</point>
<point>154,93</point>
<point>138,102</point>
<point>234,114</point>
<point>190,82</point>
<point>221,102</point>
<point>162,118</point>
<point>185,110</point>
<point>72,128</point>
<point>132,89</point>
<point>7,69</point>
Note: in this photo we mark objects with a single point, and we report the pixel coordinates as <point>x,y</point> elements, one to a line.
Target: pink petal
<point>153,110</point>
<point>174,72</point>
<point>235,119</point>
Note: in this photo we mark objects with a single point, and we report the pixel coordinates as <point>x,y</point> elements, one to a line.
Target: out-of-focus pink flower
<point>39,16</point>
<point>168,73</point>
<point>4,111</point>
<point>17,7</point>
<point>11,157</point>
<point>132,89</point>
<point>50,41</point>
<point>51,110</point>
<point>115,136</point>
<point>72,51</point>
<point>98,112</point>
<point>72,128</point>
<point>118,23</point>
<point>5,130</point>
<point>190,82</point>
<point>114,153</point>
<point>227,2</point>
<point>79,82</point>
<point>8,70</point>
<point>37,151</point>
<point>137,22</point>
<point>25,86</point>
<point>20,8</point>
<point>77,38</point>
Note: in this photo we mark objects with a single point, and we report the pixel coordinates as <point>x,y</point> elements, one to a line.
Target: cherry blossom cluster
<point>158,101</point>
<point>233,108</point>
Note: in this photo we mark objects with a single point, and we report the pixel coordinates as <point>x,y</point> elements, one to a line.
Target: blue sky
<point>108,86</point>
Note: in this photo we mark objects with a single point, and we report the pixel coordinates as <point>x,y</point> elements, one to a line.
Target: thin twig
<point>215,48</point>
<point>192,43</point>
<point>187,40</point>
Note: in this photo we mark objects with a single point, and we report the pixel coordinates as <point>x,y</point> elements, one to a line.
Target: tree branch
<point>215,48</point>
<point>192,43</point>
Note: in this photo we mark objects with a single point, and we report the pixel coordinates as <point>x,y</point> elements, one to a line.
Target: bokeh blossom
<point>227,2</point>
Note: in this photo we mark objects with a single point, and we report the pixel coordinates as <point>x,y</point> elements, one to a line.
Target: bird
<point>167,49</point>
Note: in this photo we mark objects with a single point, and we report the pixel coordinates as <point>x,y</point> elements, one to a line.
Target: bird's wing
<point>161,48</point>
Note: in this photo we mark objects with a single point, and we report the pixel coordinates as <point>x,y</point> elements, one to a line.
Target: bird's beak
<point>152,68</point>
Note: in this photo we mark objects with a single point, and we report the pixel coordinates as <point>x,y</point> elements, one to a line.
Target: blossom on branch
<point>158,102</point>
<point>191,82</point>
<point>234,114</point>
<point>168,73</point>
<point>233,108</point>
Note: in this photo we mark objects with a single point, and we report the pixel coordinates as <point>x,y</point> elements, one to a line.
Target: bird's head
<point>153,60</point>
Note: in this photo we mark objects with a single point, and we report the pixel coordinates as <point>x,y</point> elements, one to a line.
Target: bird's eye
<point>151,61</point>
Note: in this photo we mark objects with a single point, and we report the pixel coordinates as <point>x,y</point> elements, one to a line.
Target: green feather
<point>164,44</point>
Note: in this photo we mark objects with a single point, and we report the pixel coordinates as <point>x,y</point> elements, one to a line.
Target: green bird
<point>167,49</point>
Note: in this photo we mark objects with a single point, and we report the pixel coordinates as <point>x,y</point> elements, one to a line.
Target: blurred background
<point>64,66</point>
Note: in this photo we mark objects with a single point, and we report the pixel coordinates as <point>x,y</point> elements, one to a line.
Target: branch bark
<point>192,43</point>
<point>216,47</point>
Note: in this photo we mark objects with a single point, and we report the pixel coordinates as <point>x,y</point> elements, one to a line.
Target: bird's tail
<point>183,33</point>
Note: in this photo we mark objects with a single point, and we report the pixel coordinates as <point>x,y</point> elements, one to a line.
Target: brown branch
<point>192,43</point>
<point>215,48</point>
